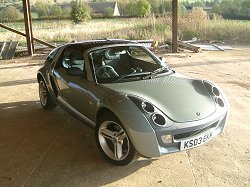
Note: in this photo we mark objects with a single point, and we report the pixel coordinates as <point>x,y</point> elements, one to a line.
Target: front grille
<point>193,133</point>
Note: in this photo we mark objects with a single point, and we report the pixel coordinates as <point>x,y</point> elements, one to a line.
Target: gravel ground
<point>52,148</point>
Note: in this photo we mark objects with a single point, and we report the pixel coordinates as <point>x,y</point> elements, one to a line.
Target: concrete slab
<point>52,148</point>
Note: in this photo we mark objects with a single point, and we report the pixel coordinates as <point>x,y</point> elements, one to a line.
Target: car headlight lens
<point>147,107</point>
<point>219,102</point>
<point>153,114</point>
<point>215,93</point>
<point>158,119</point>
<point>167,138</point>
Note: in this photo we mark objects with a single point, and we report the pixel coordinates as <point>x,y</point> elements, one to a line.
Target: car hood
<point>180,98</point>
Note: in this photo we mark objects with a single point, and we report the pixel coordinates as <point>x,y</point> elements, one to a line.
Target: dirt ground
<point>52,148</point>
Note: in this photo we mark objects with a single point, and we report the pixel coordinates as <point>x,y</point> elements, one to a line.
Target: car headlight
<point>153,114</point>
<point>215,93</point>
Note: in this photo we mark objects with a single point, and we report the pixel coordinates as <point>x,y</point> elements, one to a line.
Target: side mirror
<point>74,71</point>
<point>163,59</point>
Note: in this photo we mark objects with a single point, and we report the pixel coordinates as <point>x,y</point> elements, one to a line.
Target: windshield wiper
<point>133,74</point>
<point>159,70</point>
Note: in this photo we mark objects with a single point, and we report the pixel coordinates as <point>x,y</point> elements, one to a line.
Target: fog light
<point>167,138</point>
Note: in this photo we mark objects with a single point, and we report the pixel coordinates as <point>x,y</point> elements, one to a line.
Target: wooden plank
<point>9,50</point>
<point>2,44</point>
<point>186,46</point>
<point>23,34</point>
<point>218,47</point>
<point>189,47</point>
<point>5,49</point>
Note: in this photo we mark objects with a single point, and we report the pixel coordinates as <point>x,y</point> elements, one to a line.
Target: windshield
<point>123,63</point>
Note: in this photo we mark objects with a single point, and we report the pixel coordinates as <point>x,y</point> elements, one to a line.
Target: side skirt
<point>75,112</point>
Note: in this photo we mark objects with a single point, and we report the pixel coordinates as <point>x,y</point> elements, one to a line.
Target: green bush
<point>10,13</point>
<point>80,11</point>
<point>143,8</point>
<point>56,10</point>
<point>108,12</point>
<point>139,8</point>
<point>41,8</point>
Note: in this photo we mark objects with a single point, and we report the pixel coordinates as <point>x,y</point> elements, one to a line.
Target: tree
<point>216,8</point>
<point>10,13</point>
<point>230,8</point>
<point>246,8</point>
<point>155,5</point>
<point>108,12</point>
<point>198,4</point>
<point>56,10</point>
<point>168,7</point>
<point>41,8</point>
<point>130,9</point>
<point>143,8</point>
<point>80,11</point>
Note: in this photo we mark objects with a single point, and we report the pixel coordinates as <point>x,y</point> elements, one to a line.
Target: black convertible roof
<point>87,44</point>
<point>100,42</point>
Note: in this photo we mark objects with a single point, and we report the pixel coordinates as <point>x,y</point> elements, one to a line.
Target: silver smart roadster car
<point>137,105</point>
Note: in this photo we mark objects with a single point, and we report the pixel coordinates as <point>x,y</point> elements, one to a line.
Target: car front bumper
<point>192,135</point>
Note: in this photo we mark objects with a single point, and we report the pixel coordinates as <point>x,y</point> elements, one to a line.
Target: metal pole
<point>28,26</point>
<point>174,26</point>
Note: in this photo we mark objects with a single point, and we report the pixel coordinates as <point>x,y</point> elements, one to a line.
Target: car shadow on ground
<point>47,148</point>
<point>4,67</point>
<point>18,82</point>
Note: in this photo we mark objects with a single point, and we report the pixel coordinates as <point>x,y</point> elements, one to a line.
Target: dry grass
<point>195,24</point>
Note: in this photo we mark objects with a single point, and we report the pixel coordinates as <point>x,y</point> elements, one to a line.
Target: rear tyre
<point>113,141</point>
<point>45,98</point>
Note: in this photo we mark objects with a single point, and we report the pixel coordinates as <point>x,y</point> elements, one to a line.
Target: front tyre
<point>113,141</point>
<point>44,96</point>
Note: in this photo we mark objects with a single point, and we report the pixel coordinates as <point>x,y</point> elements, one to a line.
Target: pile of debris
<point>194,45</point>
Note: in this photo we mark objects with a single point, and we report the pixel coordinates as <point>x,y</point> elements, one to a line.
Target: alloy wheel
<point>113,140</point>
<point>43,93</point>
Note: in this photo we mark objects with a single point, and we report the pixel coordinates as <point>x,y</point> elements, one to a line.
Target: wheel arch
<point>103,110</point>
<point>147,135</point>
<point>39,76</point>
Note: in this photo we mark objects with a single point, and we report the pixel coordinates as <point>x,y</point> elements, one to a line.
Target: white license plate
<point>196,141</point>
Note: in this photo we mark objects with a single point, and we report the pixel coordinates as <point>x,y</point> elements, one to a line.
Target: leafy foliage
<point>56,10</point>
<point>80,11</point>
<point>139,8</point>
<point>143,7</point>
<point>108,12</point>
<point>10,13</point>
<point>233,9</point>
<point>41,8</point>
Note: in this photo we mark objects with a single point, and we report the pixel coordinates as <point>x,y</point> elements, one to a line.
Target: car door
<point>73,86</point>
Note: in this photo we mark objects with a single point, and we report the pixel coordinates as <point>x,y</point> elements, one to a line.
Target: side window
<point>52,54</point>
<point>71,58</point>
